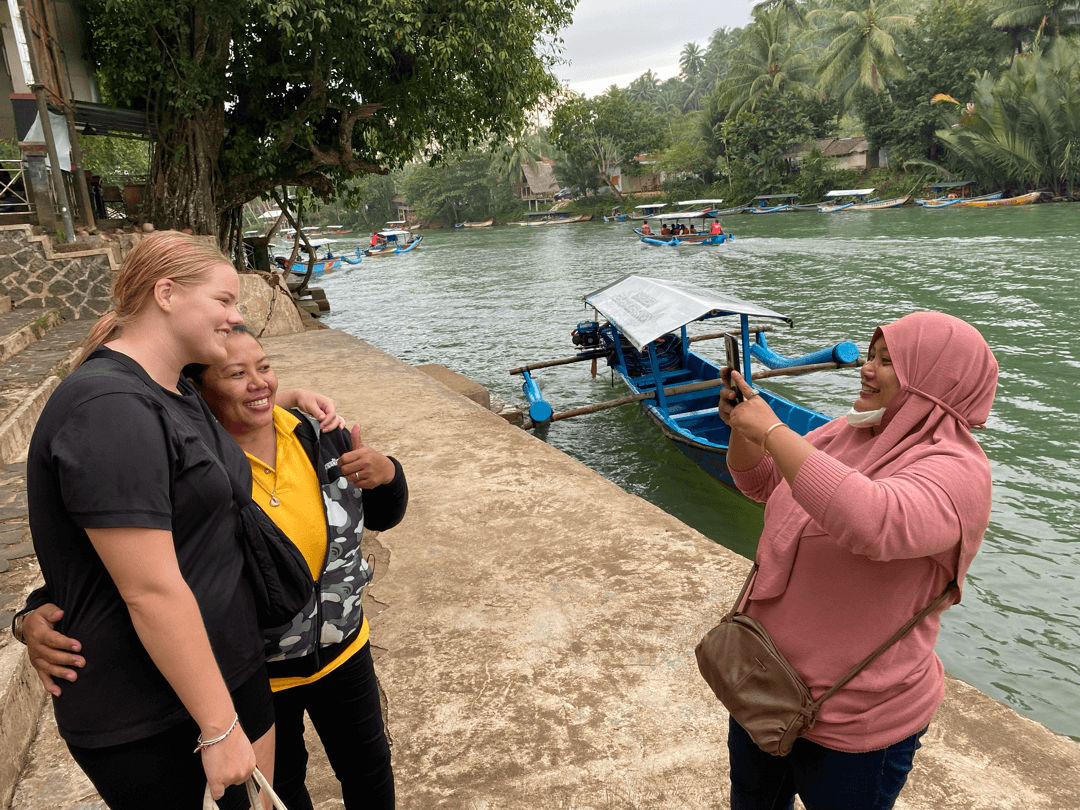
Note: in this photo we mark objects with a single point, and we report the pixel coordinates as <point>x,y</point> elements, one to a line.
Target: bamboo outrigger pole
<point>695,386</point>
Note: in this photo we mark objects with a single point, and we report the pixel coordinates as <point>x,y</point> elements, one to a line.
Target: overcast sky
<point>615,41</point>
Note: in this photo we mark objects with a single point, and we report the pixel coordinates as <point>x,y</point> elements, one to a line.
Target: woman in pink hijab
<point>867,520</point>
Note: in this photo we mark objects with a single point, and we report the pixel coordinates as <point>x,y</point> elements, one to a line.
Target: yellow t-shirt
<point>300,515</point>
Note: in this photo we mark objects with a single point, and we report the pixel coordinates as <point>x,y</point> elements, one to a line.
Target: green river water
<point>487,300</point>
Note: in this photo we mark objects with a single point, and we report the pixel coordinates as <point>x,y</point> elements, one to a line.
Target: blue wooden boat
<point>616,216</point>
<point>645,340</point>
<point>702,236</point>
<point>393,240</point>
<point>324,264</point>
<point>356,258</point>
<point>773,203</point>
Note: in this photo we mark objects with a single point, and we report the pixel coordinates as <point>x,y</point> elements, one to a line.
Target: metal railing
<point>13,196</point>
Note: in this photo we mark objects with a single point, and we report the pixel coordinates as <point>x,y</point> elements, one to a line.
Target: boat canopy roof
<point>699,202</point>
<point>393,232</point>
<point>850,192</point>
<point>315,243</point>
<point>779,196</point>
<point>684,215</point>
<point>644,308</point>
<point>547,213</point>
<point>649,205</point>
<point>955,184</point>
<point>393,222</point>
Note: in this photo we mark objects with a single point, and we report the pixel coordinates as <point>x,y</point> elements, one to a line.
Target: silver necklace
<point>271,492</point>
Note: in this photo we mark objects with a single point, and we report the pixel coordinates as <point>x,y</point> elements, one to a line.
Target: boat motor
<point>586,335</point>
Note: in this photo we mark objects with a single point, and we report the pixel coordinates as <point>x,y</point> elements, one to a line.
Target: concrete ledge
<point>536,644</point>
<point>459,384</point>
<point>20,704</point>
<point>16,430</point>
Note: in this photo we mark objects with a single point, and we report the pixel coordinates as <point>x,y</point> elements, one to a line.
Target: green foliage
<point>949,46</point>
<point>311,92</point>
<point>770,59</point>
<point>114,158</point>
<point>1021,131</point>
<point>755,141</point>
<point>458,189</point>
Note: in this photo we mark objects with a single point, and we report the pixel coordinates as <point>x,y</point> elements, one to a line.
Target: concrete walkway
<point>534,626</point>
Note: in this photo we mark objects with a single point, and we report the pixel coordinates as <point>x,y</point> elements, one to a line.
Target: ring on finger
<point>356,476</point>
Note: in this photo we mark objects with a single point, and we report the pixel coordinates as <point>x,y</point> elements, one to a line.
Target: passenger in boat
<point>868,520</point>
<point>692,228</point>
<point>134,524</point>
<point>645,229</point>
<point>665,231</point>
<point>716,228</point>
<point>324,670</point>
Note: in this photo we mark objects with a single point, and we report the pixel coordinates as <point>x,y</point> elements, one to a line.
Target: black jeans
<point>160,771</point>
<point>344,709</point>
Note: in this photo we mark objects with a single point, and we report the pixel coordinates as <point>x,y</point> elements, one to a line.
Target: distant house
<point>849,153</point>
<point>647,180</point>
<point>536,184</point>
<point>402,211</point>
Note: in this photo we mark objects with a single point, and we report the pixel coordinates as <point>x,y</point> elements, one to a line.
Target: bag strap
<point>746,587</point>
<point>899,634</point>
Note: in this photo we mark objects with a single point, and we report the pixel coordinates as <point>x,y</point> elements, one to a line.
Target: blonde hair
<point>184,258</point>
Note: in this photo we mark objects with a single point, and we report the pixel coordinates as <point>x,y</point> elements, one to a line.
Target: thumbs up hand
<point>363,466</point>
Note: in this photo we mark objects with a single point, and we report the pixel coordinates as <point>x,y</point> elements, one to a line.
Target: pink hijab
<point>947,377</point>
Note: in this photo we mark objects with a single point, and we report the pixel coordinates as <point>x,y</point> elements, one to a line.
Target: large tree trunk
<point>185,179</point>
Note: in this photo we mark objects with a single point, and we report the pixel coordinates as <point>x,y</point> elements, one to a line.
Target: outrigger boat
<point>393,240</point>
<point>877,205</point>
<point>692,206</point>
<point>697,237</point>
<point>1023,199</point>
<point>616,216</point>
<point>647,211</point>
<point>773,203</point>
<point>850,197</point>
<point>947,203</point>
<point>645,340</point>
<point>321,265</point>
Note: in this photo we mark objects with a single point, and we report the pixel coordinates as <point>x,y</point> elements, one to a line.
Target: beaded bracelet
<point>204,744</point>
<point>765,437</point>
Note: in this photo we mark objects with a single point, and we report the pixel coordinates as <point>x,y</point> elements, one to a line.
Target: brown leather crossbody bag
<point>760,689</point>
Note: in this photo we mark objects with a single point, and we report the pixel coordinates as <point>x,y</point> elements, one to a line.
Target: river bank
<point>533,628</point>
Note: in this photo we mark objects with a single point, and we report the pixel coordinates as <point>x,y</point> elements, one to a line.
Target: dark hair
<point>194,371</point>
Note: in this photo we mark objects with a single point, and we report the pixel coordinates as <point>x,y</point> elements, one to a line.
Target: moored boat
<point>1023,199</point>
<point>948,203</point>
<point>486,223</point>
<point>319,266</point>
<point>772,203</point>
<point>647,210</point>
<point>877,205</point>
<point>846,197</point>
<point>641,329</point>
<point>616,216</point>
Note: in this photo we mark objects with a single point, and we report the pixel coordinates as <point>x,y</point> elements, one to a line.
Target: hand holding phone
<point>732,348</point>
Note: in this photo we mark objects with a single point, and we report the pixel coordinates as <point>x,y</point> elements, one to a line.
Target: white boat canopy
<point>394,222</point>
<point>850,192</point>
<point>650,205</point>
<point>684,215</point>
<point>273,213</point>
<point>644,308</point>
<point>315,243</point>
<point>395,233</point>
<point>699,202</point>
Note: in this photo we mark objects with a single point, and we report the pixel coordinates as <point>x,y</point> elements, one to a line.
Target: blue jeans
<point>344,709</point>
<point>824,779</point>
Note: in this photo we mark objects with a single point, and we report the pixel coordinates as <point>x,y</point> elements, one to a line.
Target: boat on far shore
<point>1023,199</point>
<point>848,198</point>
<point>485,223</point>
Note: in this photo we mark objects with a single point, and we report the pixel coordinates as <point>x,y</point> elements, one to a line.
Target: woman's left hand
<point>322,408</point>
<point>751,417</point>
<point>364,466</point>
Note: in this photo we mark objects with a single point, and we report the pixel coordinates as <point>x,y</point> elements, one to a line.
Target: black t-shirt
<point>114,449</point>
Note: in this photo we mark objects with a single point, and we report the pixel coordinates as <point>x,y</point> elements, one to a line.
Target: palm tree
<point>794,10</point>
<point>1022,130</point>
<point>768,60</point>
<point>1032,16</point>
<point>692,59</point>
<point>862,46</point>
<point>645,87</point>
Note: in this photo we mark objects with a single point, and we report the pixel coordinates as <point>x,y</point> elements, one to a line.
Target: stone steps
<point>37,349</point>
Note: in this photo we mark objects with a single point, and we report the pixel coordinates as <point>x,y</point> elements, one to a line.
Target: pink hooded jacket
<point>877,523</point>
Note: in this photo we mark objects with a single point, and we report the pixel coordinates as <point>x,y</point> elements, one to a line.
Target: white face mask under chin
<point>864,419</point>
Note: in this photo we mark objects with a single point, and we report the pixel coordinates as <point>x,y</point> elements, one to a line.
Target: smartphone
<point>732,348</point>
